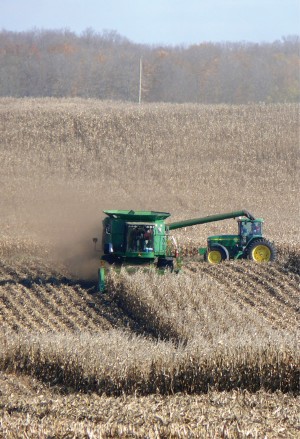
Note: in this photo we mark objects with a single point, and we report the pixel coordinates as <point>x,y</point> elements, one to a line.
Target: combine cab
<point>142,238</point>
<point>136,237</point>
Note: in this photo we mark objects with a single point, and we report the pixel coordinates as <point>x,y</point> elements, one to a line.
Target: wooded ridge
<point>106,65</point>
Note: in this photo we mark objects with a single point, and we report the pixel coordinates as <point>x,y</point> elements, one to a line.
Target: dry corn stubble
<point>38,411</point>
<point>231,326</point>
<point>114,363</point>
<point>219,341</point>
<point>196,159</point>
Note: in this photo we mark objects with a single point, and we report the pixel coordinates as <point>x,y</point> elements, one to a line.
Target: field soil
<point>210,352</point>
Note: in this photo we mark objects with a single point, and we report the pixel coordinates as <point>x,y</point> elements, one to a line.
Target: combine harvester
<point>142,238</point>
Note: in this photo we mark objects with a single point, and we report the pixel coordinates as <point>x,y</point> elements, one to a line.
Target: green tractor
<point>142,238</point>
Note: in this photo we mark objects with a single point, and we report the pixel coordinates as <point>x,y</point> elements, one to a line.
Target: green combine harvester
<point>142,238</point>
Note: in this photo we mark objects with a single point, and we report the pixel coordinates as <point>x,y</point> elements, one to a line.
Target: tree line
<point>105,65</point>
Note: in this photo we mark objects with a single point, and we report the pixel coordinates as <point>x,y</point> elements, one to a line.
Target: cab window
<point>250,228</point>
<point>140,238</point>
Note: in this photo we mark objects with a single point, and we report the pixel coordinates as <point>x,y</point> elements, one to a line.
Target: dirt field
<point>212,352</point>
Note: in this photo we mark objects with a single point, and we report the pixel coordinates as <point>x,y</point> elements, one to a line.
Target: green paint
<point>142,238</point>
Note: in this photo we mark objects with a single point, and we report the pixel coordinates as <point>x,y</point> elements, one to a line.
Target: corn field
<point>210,352</point>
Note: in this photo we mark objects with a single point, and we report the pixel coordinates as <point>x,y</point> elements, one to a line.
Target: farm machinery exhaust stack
<point>137,238</point>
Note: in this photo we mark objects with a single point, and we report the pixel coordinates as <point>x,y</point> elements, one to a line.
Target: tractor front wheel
<point>216,254</point>
<point>261,250</point>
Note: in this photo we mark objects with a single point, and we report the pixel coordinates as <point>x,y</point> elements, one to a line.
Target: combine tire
<point>216,254</point>
<point>261,250</point>
<point>165,264</point>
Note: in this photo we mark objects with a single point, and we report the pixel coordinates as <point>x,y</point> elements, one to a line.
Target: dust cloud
<point>61,218</point>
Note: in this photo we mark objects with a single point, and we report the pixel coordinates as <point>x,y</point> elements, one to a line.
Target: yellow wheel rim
<point>214,257</point>
<point>261,253</point>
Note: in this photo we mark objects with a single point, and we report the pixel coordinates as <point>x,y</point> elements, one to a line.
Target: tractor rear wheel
<point>261,250</point>
<point>216,254</point>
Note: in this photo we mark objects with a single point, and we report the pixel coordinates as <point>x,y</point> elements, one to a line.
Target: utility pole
<point>140,83</point>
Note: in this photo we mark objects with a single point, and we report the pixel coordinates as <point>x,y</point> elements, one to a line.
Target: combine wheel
<point>165,264</point>
<point>261,250</point>
<point>216,254</point>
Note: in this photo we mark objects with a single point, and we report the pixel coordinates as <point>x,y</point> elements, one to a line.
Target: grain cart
<point>142,238</point>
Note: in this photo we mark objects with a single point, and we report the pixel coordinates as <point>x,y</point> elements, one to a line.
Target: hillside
<point>127,362</point>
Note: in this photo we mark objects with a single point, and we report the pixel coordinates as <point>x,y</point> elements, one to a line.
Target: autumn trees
<point>106,66</point>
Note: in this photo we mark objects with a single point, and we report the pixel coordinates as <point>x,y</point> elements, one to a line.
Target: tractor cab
<point>249,229</point>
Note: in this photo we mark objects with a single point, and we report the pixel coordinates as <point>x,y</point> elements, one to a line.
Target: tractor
<point>142,238</point>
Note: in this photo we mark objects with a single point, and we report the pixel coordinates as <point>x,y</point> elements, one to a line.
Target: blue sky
<point>167,22</point>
